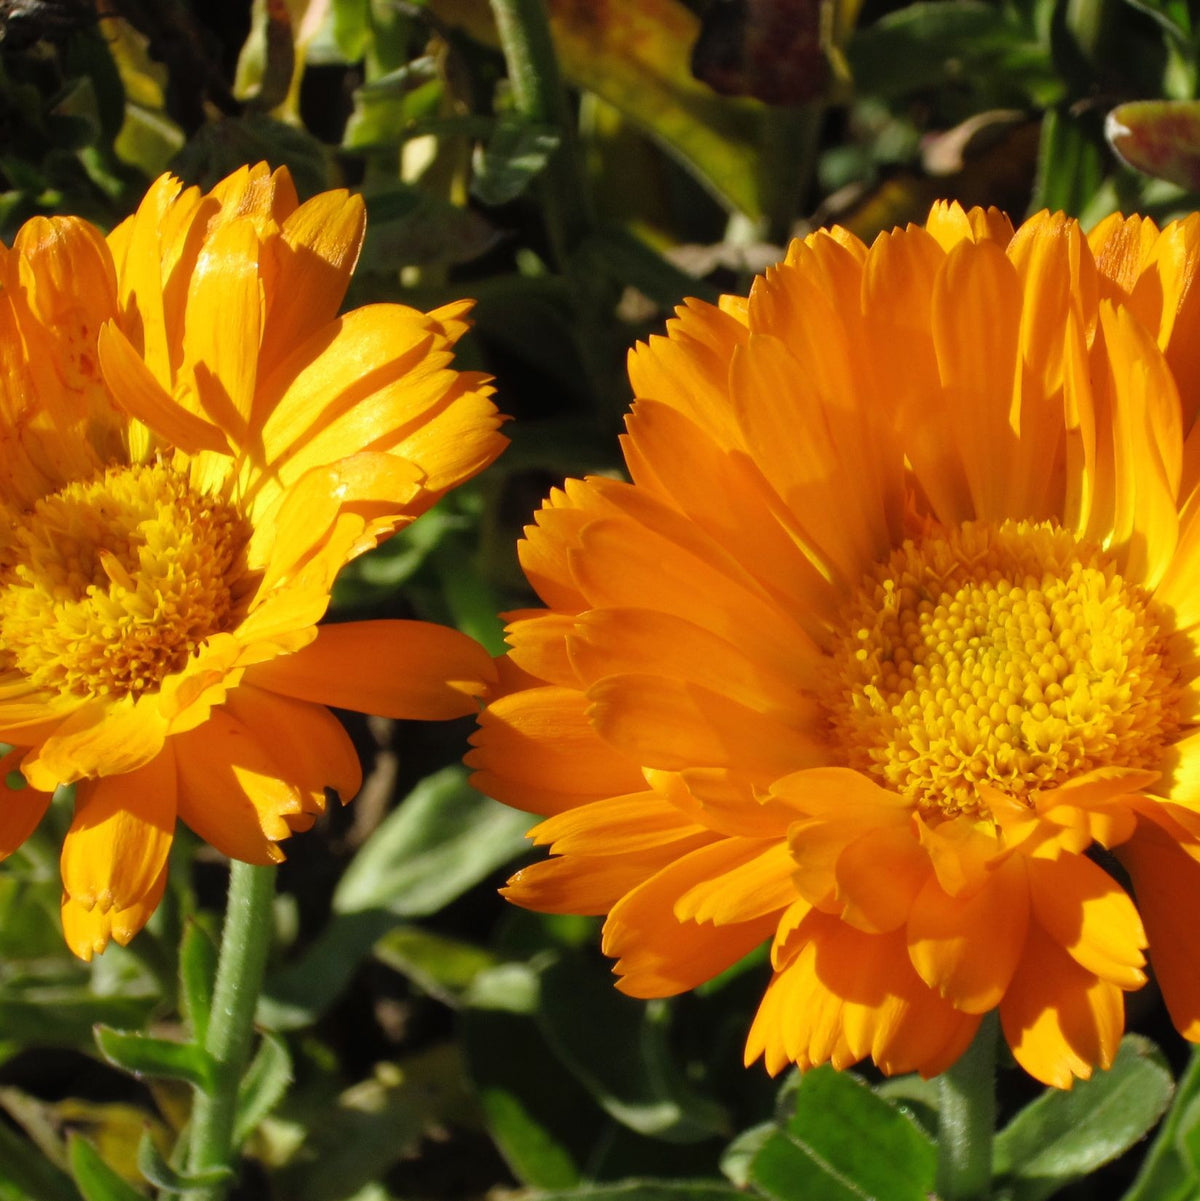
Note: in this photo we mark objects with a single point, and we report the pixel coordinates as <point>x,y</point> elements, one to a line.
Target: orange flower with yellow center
<point>194,444</point>
<point>892,638</point>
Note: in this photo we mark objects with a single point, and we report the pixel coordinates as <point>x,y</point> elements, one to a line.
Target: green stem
<point>967,1120</point>
<point>245,941</point>
<point>539,97</point>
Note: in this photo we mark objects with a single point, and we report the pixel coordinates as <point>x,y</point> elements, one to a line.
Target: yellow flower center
<point>1011,655</point>
<point>108,586</point>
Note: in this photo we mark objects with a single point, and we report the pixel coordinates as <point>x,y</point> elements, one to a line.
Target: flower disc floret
<point>1011,655</point>
<point>110,584</point>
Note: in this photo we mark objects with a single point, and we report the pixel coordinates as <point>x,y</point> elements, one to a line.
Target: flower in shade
<point>194,443</point>
<point>889,653</point>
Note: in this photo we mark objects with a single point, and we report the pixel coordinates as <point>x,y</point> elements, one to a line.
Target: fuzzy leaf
<point>263,1087</point>
<point>144,1055</point>
<point>819,1152</point>
<point>1062,1136</point>
<point>95,1179</point>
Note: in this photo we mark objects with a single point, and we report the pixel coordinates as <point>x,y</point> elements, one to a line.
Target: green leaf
<point>197,977</point>
<point>960,43</point>
<point>351,28</point>
<point>442,839</point>
<point>914,1096</point>
<point>636,55</point>
<point>23,1167</point>
<point>160,1173</point>
<point>374,1123</point>
<point>299,993</point>
<point>649,1190</point>
<point>540,1118</point>
<point>96,1180</point>
<point>514,155</point>
<point>263,1087</point>
<point>144,1055</point>
<point>739,1155</point>
<point>617,1047</point>
<point>410,227</point>
<point>1062,1136</point>
<point>1070,164</point>
<point>387,110</point>
<point>66,1016</point>
<point>442,967</point>
<point>1169,1168</point>
<point>220,147</point>
<point>820,1151</point>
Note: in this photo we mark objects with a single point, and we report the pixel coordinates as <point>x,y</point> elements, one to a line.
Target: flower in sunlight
<point>889,654</point>
<point>194,443</point>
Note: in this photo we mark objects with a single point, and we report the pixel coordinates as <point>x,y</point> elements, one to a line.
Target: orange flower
<point>895,632</point>
<point>194,444</point>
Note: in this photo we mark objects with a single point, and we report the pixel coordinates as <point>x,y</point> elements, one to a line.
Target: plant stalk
<point>241,964</point>
<point>967,1120</point>
<point>539,97</point>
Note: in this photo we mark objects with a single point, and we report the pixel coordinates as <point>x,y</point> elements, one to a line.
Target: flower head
<point>194,444</point>
<point>889,651</point>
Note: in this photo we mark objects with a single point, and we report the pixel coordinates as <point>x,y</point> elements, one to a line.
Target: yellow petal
<point>144,398</point>
<point>307,275</point>
<point>87,931</point>
<point>100,738</point>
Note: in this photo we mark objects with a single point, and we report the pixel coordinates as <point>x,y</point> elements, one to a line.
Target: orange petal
<point>725,493</point>
<point>21,808</point>
<point>1087,912</point>
<point>116,848</point>
<point>535,750</point>
<point>233,792</point>
<point>537,643</point>
<point>658,955</point>
<point>615,826</point>
<point>593,884</point>
<point>673,725</point>
<point>879,876</point>
<point>975,323</point>
<point>1060,1020</point>
<point>968,947</point>
<point>617,641</point>
<point>1166,882</point>
<point>100,738</point>
<point>307,741</point>
<point>747,882</point>
<point>402,669</point>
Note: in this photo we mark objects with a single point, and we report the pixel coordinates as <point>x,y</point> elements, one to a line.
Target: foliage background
<point>424,1040</point>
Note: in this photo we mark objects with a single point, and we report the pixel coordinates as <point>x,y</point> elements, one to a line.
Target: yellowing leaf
<point>635,55</point>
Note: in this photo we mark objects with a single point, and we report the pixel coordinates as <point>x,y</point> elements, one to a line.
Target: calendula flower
<point>892,639</point>
<point>194,443</point>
